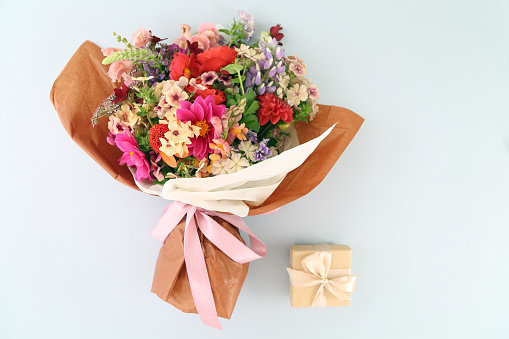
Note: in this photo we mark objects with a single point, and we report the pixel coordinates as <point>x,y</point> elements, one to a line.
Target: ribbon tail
<point>257,246</point>
<point>340,294</point>
<point>224,240</point>
<point>198,275</point>
<point>320,300</point>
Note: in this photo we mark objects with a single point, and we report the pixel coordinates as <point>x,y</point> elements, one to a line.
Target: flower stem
<point>240,82</point>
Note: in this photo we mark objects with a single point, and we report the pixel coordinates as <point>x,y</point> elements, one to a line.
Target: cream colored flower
<point>195,85</point>
<point>236,163</point>
<point>158,88</point>
<point>183,82</point>
<point>170,115</point>
<point>127,116</point>
<point>177,134</point>
<point>297,94</point>
<point>249,52</point>
<point>170,149</point>
<point>175,95</point>
<point>191,130</point>
<point>218,167</point>
<point>249,149</point>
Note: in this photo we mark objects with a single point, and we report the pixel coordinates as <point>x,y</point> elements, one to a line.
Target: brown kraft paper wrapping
<point>83,85</point>
<point>226,276</point>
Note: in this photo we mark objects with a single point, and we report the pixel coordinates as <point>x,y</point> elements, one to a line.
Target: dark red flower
<point>121,93</point>
<point>184,65</point>
<point>273,109</point>
<point>193,47</point>
<point>155,39</point>
<point>216,58</point>
<point>274,32</point>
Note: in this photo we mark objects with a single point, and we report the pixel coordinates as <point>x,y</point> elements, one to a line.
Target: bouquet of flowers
<point>223,125</point>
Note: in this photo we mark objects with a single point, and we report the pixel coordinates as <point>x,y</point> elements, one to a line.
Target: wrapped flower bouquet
<point>223,125</point>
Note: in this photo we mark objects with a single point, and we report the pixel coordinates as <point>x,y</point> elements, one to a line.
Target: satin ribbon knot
<point>317,271</point>
<point>193,255</point>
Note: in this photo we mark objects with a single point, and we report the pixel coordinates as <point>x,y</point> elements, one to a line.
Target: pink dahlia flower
<point>132,155</point>
<point>200,113</point>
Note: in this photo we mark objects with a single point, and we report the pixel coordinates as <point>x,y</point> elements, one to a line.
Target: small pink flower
<point>313,93</point>
<point>141,38</point>
<point>118,68</point>
<point>298,68</point>
<point>181,41</point>
<point>218,125</point>
<point>211,32</point>
<point>109,51</point>
<point>116,126</point>
<point>203,41</point>
<point>154,168</point>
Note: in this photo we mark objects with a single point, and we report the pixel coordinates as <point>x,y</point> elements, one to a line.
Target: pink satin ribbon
<point>193,255</point>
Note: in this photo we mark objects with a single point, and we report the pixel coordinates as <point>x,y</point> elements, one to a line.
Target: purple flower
<point>263,151</point>
<point>252,136</point>
<point>132,155</point>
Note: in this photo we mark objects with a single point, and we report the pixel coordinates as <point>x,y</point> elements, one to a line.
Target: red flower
<point>155,134</point>
<point>184,65</point>
<point>274,109</point>
<point>274,32</point>
<point>218,96</point>
<point>216,58</point>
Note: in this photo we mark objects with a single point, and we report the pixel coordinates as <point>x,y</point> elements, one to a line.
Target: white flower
<point>236,163</point>
<point>249,149</point>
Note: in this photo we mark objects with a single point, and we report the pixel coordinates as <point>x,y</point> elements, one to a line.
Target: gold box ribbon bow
<point>317,271</point>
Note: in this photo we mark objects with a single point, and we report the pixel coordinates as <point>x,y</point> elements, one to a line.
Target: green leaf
<point>225,31</point>
<point>233,68</point>
<point>250,95</point>
<point>252,108</point>
<point>230,102</point>
<point>251,122</point>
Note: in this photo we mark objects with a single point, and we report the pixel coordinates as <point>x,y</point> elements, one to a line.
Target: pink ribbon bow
<point>193,254</point>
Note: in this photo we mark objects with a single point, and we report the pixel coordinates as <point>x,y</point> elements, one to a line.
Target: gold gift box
<point>303,296</point>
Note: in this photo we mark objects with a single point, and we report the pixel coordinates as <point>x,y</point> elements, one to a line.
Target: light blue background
<point>421,195</point>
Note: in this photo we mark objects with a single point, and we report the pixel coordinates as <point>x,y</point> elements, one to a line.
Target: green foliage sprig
<point>132,54</point>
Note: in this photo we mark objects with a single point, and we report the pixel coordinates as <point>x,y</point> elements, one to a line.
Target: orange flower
<point>184,65</point>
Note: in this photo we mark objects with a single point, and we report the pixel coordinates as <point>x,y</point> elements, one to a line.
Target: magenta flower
<point>200,114</point>
<point>132,155</point>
